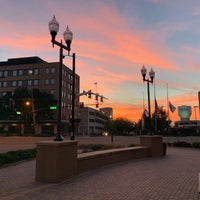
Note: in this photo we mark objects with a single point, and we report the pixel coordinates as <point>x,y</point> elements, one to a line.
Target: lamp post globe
<point>68,36</point>
<point>143,72</point>
<point>53,27</point>
<point>151,74</point>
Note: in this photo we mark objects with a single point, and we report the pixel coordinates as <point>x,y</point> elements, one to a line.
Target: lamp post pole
<point>73,94</point>
<point>68,35</point>
<point>151,75</point>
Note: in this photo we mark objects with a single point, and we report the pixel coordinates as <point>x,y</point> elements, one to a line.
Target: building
<point>92,121</point>
<point>107,111</point>
<point>33,72</point>
<point>186,125</point>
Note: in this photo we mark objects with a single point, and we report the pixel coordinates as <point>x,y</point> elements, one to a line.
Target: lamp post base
<point>58,137</point>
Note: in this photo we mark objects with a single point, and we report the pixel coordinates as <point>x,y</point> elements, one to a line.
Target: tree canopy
<point>119,126</point>
<point>24,100</point>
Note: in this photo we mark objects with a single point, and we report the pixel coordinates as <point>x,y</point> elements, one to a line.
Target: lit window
<point>30,72</point>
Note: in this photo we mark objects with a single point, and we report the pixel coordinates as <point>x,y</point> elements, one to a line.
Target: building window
<point>52,81</point>
<point>36,82</point>
<point>52,70</point>
<point>52,92</point>
<point>20,72</point>
<point>30,72</point>
<point>46,81</point>
<point>36,71</point>
<point>30,82</point>
<point>19,83</point>
<point>5,73</point>
<point>14,83</point>
<point>69,86</point>
<point>5,84</point>
<point>14,73</point>
<point>47,70</point>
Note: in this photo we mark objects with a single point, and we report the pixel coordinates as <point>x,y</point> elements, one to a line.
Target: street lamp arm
<point>61,45</point>
<point>147,80</point>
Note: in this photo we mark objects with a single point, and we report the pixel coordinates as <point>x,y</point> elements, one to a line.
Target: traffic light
<point>81,104</point>
<point>89,94</point>
<point>53,107</point>
<point>101,99</point>
<point>97,104</point>
<point>96,97</point>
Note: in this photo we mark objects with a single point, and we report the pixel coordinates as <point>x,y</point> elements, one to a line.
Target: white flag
<point>146,113</point>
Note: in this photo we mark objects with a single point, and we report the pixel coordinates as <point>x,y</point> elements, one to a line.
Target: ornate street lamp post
<point>151,75</point>
<point>68,36</point>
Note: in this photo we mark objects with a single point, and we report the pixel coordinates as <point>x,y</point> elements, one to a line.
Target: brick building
<point>33,72</point>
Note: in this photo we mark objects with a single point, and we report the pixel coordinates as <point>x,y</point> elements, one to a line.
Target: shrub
<point>131,145</point>
<point>196,144</point>
<point>97,147</point>
<point>16,156</point>
<point>181,144</point>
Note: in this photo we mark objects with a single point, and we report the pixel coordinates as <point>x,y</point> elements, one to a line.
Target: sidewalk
<point>174,177</point>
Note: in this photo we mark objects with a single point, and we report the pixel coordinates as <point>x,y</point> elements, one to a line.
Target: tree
<point>7,111</point>
<point>22,100</point>
<point>119,126</point>
<point>161,120</point>
<point>25,99</point>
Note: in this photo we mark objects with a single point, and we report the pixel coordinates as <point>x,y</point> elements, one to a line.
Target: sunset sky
<point>113,39</point>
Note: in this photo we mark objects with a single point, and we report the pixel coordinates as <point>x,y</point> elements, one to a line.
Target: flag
<point>146,113</point>
<point>171,107</point>
<point>156,106</point>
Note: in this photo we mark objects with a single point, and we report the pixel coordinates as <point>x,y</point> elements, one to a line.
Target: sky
<point>112,40</point>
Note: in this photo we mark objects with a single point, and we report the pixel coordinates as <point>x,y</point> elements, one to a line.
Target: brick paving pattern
<point>174,177</point>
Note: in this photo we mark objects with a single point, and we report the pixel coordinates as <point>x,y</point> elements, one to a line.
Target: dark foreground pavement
<point>174,177</point>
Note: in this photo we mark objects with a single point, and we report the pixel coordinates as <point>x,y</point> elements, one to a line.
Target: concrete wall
<point>56,161</point>
<point>87,161</point>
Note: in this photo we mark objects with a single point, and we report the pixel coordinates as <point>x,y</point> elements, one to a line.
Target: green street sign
<point>53,107</point>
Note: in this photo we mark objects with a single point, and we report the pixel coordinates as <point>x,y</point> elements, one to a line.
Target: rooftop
<point>22,60</point>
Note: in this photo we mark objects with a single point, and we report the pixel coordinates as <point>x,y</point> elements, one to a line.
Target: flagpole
<point>143,122</point>
<point>167,102</point>
<point>155,112</point>
<point>168,109</point>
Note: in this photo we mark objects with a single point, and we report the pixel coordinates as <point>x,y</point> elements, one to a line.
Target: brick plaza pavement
<point>174,177</point>
<point>20,142</point>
